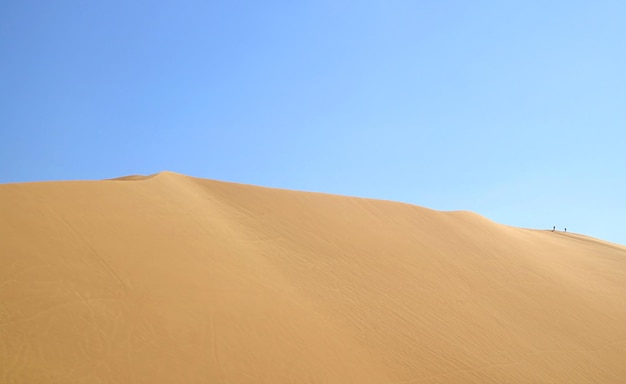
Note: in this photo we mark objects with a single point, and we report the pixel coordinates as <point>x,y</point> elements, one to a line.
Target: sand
<point>174,279</point>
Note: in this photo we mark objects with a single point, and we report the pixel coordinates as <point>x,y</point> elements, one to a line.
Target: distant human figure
<point>565,230</point>
<point>553,228</point>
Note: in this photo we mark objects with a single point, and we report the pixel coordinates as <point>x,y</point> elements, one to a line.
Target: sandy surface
<point>171,279</point>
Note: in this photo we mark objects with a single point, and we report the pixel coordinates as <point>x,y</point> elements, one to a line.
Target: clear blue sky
<point>512,109</point>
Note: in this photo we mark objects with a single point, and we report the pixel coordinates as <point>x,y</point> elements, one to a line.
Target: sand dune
<point>173,279</point>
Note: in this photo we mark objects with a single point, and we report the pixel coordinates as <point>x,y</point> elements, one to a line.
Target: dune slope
<point>173,279</point>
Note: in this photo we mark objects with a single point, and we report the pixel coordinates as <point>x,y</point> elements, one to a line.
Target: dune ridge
<point>169,278</point>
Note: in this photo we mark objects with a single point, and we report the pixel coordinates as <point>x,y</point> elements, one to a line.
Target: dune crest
<point>180,279</point>
<point>144,177</point>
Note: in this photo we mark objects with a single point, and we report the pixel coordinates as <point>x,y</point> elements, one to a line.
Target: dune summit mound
<point>173,279</point>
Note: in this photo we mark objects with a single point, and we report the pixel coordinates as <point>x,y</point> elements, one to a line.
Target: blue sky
<point>513,109</point>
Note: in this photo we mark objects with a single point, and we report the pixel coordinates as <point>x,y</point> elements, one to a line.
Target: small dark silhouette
<point>565,230</point>
<point>553,228</point>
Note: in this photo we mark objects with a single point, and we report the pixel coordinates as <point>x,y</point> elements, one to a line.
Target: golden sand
<point>173,279</point>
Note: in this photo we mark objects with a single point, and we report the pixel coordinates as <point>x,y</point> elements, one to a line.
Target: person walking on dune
<point>553,228</point>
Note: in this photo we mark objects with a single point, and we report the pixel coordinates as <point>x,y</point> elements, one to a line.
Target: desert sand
<point>174,279</point>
